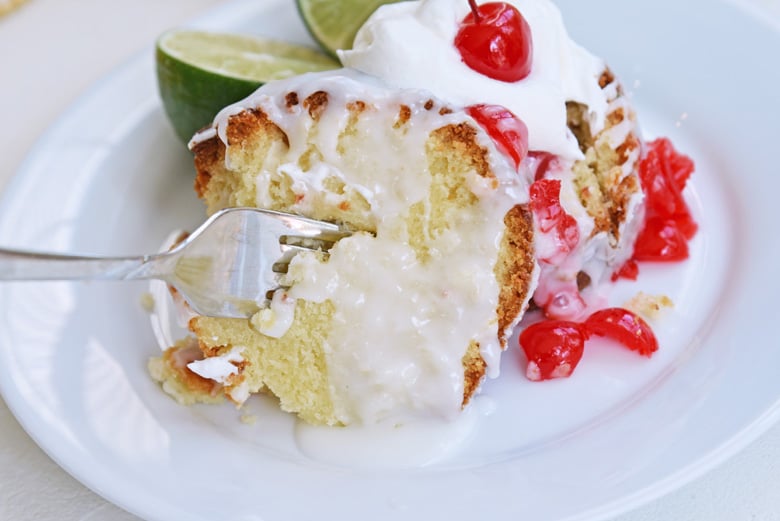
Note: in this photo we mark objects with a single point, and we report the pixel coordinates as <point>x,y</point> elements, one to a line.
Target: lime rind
<point>199,73</point>
<point>191,98</point>
<point>333,24</point>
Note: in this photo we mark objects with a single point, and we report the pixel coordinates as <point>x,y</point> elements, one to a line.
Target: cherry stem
<point>475,10</point>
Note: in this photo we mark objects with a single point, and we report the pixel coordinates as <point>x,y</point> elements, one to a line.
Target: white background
<point>50,52</point>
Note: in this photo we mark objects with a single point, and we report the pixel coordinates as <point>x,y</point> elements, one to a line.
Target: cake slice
<point>405,318</point>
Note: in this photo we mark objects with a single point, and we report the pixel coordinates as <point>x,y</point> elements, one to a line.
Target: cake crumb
<point>649,306</point>
<point>263,320</point>
<point>248,419</point>
<point>147,302</point>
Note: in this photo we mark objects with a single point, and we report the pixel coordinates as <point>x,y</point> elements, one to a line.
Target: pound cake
<point>407,316</point>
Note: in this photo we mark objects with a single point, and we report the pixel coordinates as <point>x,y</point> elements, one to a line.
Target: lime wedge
<point>199,73</point>
<point>334,23</point>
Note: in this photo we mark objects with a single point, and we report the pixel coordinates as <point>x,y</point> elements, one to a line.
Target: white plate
<point>110,177</point>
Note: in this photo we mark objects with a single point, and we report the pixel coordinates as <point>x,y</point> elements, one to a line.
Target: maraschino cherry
<point>555,347</point>
<point>495,40</point>
<point>508,132</point>
<point>668,224</point>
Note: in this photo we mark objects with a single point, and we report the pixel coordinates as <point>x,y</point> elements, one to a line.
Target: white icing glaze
<point>401,324</point>
<point>410,44</point>
<point>218,368</point>
<point>276,319</point>
<point>390,445</point>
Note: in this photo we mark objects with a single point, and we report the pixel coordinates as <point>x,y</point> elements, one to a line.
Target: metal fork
<point>228,267</point>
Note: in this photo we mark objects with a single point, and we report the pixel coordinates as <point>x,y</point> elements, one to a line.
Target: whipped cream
<point>401,324</point>
<point>410,44</point>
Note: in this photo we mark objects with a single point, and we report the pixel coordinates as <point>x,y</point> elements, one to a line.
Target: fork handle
<point>30,265</point>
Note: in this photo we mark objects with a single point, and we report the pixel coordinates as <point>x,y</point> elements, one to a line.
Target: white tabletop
<point>51,51</point>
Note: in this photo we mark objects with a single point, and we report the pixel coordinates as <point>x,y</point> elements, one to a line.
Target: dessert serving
<point>374,329</point>
<point>486,164</point>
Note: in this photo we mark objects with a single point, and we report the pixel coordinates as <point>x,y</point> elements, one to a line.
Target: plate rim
<point>684,475</point>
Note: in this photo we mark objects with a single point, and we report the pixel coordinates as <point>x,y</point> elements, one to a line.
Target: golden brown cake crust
<point>245,124</point>
<point>474,368</point>
<point>603,189</point>
<point>316,103</point>
<point>176,359</point>
<point>208,154</point>
<point>515,268</point>
<point>464,137</point>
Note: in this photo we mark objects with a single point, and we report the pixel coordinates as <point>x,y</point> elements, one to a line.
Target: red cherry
<point>544,162</point>
<point>629,270</point>
<point>661,240</point>
<point>507,130</point>
<point>550,215</point>
<point>625,327</point>
<point>553,348</point>
<point>676,166</point>
<point>495,40</point>
<point>668,224</point>
<point>662,182</point>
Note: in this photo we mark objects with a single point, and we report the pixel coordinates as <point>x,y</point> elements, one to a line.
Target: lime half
<point>334,23</point>
<point>199,73</point>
